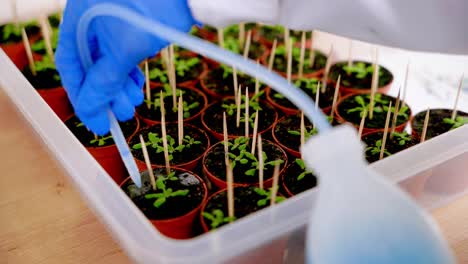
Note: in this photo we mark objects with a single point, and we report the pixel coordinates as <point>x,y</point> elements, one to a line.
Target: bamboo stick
<point>302,54</point>
<point>426,123</point>
<point>335,96</point>
<point>238,102</point>
<point>246,121</point>
<point>289,57</point>
<point>148,163</point>
<point>395,114</point>
<point>164,135</point>
<point>46,35</point>
<point>180,117</point>
<point>220,37</point>
<point>254,135</point>
<point>274,188</point>
<point>172,75</point>
<point>405,86</point>
<point>260,162</point>
<point>302,129</point>
<point>241,34</point>
<point>27,47</point>
<point>225,139</point>
<point>272,55</point>
<point>317,96</point>
<point>312,52</point>
<point>375,82</point>
<point>147,85</point>
<point>230,189</point>
<point>363,121</point>
<point>247,44</point>
<point>327,69</point>
<point>454,111</point>
<point>384,139</point>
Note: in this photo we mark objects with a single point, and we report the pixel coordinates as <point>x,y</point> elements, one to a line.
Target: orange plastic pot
<point>179,227</point>
<point>141,164</point>
<point>221,184</point>
<point>365,130</point>
<point>110,160</point>
<point>57,99</point>
<point>285,187</point>
<point>151,122</point>
<point>291,151</point>
<point>17,54</point>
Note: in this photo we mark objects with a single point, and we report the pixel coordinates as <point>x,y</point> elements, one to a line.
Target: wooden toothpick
<point>257,83</point>
<point>95,136</point>
<point>272,55</point>
<point>230,189</point>
<point>148,162</point>
<point>350,50</point>
<point>247,44</point>
<point>312,53</point>
<point>172,78</point>
<point>286,38</point>
<point>164,134</point>
<point>327,69</point>
<point>225,139</point>
<point>302,129</point>
<point>405,86</point>
<point>246,121</point>
<point>375,83</point>
<point>260,162</point>
<point>384,139</point>
<point>289,57</point>
<point>238,102</point>
<point>234,81</point>
<point>32,66</point>
<point>274,187</point>
<point>147,86</point>
<point>221,37</point>
<point>317,96</point>
<point>395,114</point>
<point>363,121</point>
<point>426,123</point>
<point>241,34</point>
<point>180,117</point>
<point>335,96</point>
<point>302,54</point>
<point>454,111</point>
<point>254,135</point>
<point>47,36</point>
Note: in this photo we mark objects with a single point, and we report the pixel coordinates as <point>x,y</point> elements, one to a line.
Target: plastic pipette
<point>371,230</point>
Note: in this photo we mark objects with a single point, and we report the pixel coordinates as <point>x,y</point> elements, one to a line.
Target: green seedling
<point>46,64</point>
<point>402,138</point>
<point>360,70</point>
<point>217,218</point>
<point>155,142</point>
<point>182,66</point>
<point>14,30</point>
<point>458,122</point>
<point>307,84</point>
<point>167,92</point>
<point>232,44</point>
<point>375,150</point>
<point>281,52</point>
<point>101,141</point>
<point>158,74</point>
<point>301,164</point>
<point>253,104</point>
<point>307,133</point>
<point>165,193</point>
<point>40,46</point>
<point>241,147</point>
<point>267,195</point>
<point>380,105</point>
<point>227,71</point>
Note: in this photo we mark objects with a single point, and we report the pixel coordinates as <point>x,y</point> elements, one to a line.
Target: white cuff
<point>221,13</point>
<point>26,9</point>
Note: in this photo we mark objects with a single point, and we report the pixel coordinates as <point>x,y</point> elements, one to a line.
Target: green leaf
<point>300,163</point>
<point>294,132</point>
<point>160,201</point>
<point>243,161</point>
<point>262,202</point>
<point>250,172</point>
<point>180,193</point>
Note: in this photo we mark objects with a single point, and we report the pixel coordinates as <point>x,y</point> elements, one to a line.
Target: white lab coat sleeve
<point>425,25</point>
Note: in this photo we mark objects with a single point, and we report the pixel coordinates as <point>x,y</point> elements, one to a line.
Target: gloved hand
<point>117,48</point>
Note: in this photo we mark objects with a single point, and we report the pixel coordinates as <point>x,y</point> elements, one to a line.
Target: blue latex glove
<point>117,48</point>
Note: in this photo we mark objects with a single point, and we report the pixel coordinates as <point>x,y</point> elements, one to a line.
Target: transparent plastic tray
<point>434,172</point>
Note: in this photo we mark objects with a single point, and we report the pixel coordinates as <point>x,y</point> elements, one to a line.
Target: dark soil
<point>182,157</point>
<point>215,82</point>
<point>213,118</point>
<point>189,96</point>
<point>380,115</point>
<point>193,74</point>
<point>245,203</point>
<point>174,206</point>
<point>325,98</point>
<point>291,123</point>
<point>350,80</point>
<point>436,125</point>
<point>85,136</point>
<point>392,145</point>
<point>214,162</point>
<point>47,79</point>
<point>281,62</point>
<point>296,186</point>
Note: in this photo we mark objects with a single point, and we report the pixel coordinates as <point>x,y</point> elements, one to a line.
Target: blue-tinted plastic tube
<point>275,81</point>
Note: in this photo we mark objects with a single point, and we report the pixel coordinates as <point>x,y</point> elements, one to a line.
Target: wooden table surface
<point>44,220</point>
